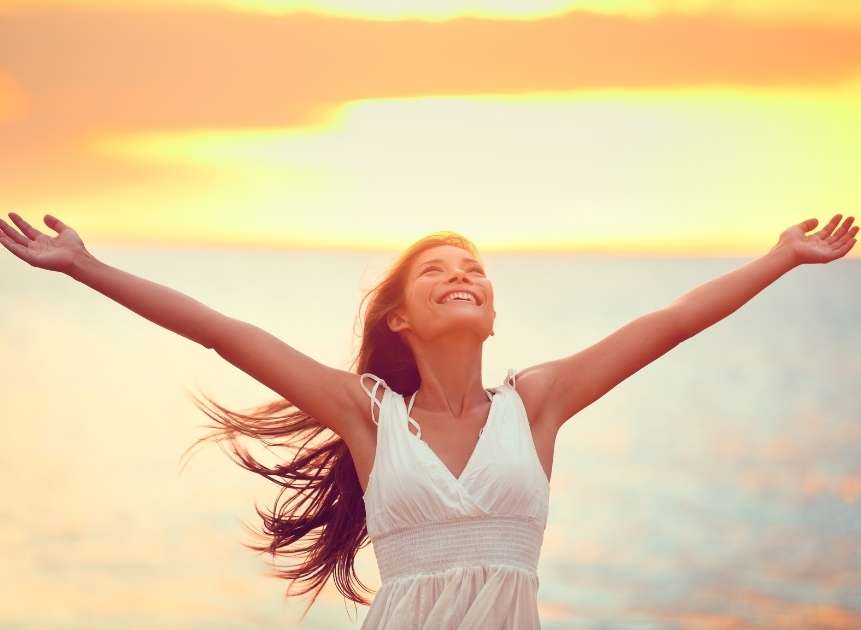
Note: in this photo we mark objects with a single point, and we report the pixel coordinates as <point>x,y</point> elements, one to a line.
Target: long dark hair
<point>322,520</point>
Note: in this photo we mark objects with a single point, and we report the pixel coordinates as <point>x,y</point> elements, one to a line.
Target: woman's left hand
<point>820,247</point>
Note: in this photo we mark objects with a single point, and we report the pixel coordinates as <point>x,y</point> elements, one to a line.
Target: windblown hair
<point>323,521</point>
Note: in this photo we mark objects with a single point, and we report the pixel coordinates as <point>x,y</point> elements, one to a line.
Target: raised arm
<point>332,396</point>
<point>567,385</point>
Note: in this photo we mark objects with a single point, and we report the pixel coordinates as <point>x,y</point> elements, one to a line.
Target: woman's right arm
<point>161,305</point>
<point>334,397</point>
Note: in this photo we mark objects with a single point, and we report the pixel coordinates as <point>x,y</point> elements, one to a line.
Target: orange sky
<point>164,123</point>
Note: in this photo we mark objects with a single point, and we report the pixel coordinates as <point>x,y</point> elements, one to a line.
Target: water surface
<point>718,487</point>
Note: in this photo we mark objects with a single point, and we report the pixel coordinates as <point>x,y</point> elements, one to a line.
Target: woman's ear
<point>395,321</point>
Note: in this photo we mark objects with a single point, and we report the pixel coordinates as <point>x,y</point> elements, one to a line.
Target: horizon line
<point>489,249</point>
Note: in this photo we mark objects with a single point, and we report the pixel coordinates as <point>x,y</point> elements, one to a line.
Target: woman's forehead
<point>445,252</point>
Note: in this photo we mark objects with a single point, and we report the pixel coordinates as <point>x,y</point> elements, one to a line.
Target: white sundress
<point>455,553</point>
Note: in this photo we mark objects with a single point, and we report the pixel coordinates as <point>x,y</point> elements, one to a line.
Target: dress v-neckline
<point>436,457</point>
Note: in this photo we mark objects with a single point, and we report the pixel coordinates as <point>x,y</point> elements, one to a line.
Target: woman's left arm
<point>560,388</point>
<point>711,302</point>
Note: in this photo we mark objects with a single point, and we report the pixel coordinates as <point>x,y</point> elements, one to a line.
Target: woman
<point>452,483</point>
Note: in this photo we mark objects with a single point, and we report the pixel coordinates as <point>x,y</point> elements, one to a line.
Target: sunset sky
<point>719,488</point>
<point>687,127</point>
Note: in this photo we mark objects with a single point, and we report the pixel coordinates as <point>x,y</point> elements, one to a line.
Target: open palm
<point>55,253</point>
<point>823,246</point>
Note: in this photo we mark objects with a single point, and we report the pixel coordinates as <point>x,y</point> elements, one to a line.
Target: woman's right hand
<point>55,253</point>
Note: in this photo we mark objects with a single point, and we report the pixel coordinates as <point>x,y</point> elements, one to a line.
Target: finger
<point>13,233</point>
<point>54,223</point>
<point>846,236</point>
<point>825,232</point>
<point>21,251</point>
<point>844,249</point>
<point>839,233</point>
<point>841,236</point>
<point>29,231</point>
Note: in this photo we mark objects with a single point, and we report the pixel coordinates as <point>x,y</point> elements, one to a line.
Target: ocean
<point>718,487</point>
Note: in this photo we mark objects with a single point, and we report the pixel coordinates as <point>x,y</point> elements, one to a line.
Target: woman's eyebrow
<point>427,262</point>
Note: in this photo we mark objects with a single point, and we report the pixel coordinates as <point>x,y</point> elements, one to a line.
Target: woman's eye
<point>478,269</point>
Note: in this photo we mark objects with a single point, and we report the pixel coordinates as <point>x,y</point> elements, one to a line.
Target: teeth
<point>460,294</point>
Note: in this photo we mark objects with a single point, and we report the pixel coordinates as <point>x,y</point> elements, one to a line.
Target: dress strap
<point>373,393</point>
<point>511,377</point>
<point>410,418</point>
<point>416,424</point>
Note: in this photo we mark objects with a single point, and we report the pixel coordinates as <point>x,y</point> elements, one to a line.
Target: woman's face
<point>436,272</point>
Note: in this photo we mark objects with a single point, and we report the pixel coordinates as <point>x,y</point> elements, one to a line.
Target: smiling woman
<point>402,321</point>
<point>452,488</point>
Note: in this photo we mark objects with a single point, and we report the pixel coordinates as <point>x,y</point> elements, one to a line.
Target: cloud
<point>126,75</point>
<point>207,68</point>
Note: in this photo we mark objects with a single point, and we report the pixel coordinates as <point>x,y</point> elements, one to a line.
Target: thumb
<point>54,223</point>
<point>809,224</point>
